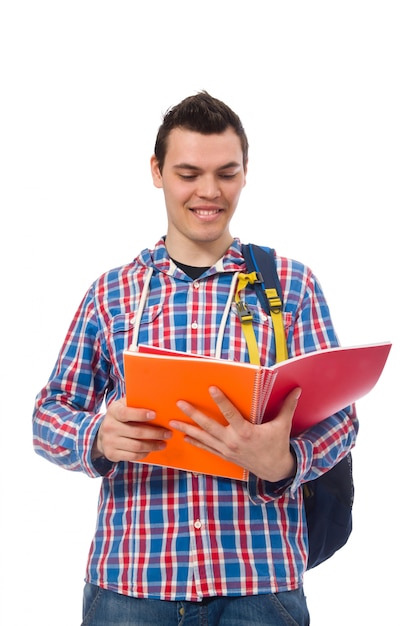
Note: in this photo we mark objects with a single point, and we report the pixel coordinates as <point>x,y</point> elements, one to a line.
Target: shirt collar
<point>232,260</point>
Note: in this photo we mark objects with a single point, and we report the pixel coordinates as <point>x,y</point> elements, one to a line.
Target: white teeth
<point>201,212</point>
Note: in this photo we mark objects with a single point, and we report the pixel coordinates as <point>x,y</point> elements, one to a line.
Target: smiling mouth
<point>206,212</point>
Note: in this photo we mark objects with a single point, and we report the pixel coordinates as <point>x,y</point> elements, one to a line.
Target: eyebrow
<point>194,168</point>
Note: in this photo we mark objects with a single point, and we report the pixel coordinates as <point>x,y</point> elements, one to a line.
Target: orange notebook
<point>330,379</point>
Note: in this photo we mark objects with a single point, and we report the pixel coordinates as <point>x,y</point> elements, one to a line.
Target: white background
<point>326,93</point>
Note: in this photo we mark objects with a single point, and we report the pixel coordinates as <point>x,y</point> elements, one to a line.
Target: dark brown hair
<point>203,114</point>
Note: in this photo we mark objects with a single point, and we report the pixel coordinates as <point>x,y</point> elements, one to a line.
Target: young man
<point>172,547</point>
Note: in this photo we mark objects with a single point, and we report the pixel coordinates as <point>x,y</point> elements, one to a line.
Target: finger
<point>134,449</point>
<point>131,442</point>
<point>289,405</point>
<point>199,437</point>
<point>204,423</point>
<point>131,437</point>
<point>291,400</point>
<point>138,431</point>
<point>123,413</point>
<point>228,410</point>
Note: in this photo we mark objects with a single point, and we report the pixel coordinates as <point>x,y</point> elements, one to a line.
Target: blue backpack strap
<point>261,260</point>
<point>328,500</point>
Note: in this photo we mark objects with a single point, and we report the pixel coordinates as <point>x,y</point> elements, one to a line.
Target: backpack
<point>328,499</point>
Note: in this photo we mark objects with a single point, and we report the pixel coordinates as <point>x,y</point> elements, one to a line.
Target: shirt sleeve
<point>319,448</point>
<point>69,409</point>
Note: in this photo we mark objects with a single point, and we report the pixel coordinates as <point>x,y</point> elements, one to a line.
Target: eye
<point>227,176</point>
<point>187,176</point>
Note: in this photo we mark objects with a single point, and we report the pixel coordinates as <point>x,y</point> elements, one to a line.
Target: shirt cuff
<point>261,491</point>
<point>102,465</point>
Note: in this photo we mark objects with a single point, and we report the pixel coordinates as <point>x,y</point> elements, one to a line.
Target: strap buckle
<point>274,300</point>
<point>259,279</point>
<point>243,312</point>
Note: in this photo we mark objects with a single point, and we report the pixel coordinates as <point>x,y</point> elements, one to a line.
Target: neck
<point>197,253</point>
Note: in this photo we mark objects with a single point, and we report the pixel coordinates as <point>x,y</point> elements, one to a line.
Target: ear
<point>155,172</point>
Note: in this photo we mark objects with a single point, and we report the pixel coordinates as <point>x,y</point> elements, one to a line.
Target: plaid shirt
<point>164,533</point>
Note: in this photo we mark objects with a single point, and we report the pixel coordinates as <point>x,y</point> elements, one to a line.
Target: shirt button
<point>198,524</point>
<point>196,285</point>
<point>194,325</point>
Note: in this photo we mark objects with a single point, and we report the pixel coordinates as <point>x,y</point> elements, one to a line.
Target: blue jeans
<point>106,608</point>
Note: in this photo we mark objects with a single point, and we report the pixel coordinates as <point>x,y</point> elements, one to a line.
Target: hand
<point>126,434</point>
<point>263,449</point>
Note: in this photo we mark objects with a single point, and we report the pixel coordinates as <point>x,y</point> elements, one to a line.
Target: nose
<point>208,187</point>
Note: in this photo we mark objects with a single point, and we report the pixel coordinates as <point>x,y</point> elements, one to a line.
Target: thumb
<point>290,404</point>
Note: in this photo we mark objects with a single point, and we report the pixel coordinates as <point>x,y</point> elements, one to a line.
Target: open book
<point>330,380</point>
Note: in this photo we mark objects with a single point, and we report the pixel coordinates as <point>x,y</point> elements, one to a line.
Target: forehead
<point>186,146</point>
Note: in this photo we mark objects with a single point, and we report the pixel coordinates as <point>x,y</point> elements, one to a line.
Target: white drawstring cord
<point>143,298</point>
<point>225,316</point>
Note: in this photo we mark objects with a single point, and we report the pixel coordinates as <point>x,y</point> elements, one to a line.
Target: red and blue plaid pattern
<point>163,533</point>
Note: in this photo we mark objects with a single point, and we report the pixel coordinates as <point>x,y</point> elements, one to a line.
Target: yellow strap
<point>278,323</point>
<point>246,318</point>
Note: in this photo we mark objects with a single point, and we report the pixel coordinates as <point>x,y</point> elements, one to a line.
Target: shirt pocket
<point>121,333</point>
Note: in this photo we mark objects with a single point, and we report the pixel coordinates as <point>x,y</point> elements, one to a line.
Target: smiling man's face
<point>202,179</point>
